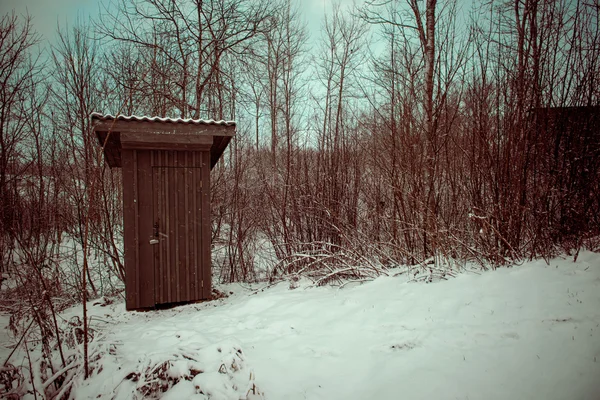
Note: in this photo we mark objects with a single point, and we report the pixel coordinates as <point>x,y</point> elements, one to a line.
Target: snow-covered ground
<point>527,332</point>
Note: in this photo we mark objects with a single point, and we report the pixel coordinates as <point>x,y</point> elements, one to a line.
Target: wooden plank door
<point>178,247</point>
<point>137,226</point>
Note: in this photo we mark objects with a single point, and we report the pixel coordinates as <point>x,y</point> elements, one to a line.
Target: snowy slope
<point>528,332</point>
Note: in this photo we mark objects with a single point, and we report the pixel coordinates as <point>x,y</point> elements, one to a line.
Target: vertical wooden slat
<point>158,191</point>
<point>129,226</point>
<point>180,211</point>
<point>165,239</point>
<point>156,220</point>
<point>145,228</point>
<point>191,239</point>
<point>175,248</point>
<point>136,237</point>
<point>198,210</point>
<point>164,230</point>
<point>158,262</point>
<point>169,230</point>
<point>194,230</point>
<point>173,242</point>
<point>186,239</point>
<point>206,259</point>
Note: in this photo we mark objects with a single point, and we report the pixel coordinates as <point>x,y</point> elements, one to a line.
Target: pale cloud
<point>47,14</point>
<point>315,11</point>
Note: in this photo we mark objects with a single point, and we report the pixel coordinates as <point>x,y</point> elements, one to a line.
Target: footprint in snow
<point>403,346</point>
<point>511,335</point>
<point>318,353</point>
<point>397,346</point>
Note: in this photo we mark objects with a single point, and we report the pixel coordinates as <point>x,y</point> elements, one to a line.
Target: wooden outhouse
<point>166,167</point>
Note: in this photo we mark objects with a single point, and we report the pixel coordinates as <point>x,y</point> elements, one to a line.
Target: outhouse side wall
<point>151,277</point>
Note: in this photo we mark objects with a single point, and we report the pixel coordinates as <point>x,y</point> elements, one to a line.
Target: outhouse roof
<point>160,133</point>
<point>135,118</point>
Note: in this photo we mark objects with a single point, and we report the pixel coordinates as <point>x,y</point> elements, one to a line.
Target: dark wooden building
<point>166,167</point>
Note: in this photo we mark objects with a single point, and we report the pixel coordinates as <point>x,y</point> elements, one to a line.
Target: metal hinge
<point>202,284</point>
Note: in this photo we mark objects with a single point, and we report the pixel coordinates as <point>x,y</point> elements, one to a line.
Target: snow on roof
<point>109,117</point>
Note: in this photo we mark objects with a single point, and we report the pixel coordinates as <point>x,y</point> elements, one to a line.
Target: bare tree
<point>341,56</point>
<point>18,71</point>
<point>186,44</point>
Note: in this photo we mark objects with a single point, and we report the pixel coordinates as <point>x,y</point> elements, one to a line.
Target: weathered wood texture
<point>166,201</point>
<point>149,128</point>
<point>166,204</point>
<point>139,133</point>
<point>181,201</point>
<point>137,227</point>
<point>131,140</point>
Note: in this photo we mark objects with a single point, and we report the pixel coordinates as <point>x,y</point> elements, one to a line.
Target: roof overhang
<point>132,132</point>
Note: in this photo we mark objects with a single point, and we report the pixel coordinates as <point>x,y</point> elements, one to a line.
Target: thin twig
<point>19,343</point>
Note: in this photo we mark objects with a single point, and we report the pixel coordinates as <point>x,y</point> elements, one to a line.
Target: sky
<point>48,13</point>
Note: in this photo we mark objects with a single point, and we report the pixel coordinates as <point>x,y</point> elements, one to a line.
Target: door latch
<point>154,240</point>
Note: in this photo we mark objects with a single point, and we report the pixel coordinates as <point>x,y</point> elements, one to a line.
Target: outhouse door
<point>181,230</point>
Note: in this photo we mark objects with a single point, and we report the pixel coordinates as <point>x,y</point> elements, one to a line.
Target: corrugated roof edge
<point>109,117</point>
